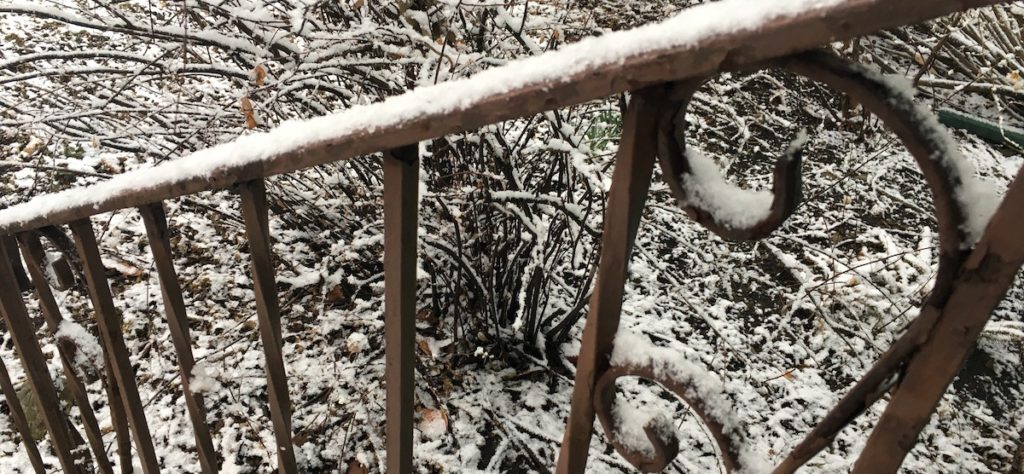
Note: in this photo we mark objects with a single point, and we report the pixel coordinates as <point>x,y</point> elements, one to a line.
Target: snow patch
<point>433,424</point>
<point>729,204</point>
<point>88,352</point>
<point>357,342</point>
<point>202,379</point>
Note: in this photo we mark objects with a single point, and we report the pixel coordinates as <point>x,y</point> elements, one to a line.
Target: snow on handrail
<point>699,41</point>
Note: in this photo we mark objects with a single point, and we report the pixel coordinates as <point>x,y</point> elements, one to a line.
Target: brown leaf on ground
<point>355,467</point>
<point>259,75</point>
<point>425,347</point>
<point>249,113</point>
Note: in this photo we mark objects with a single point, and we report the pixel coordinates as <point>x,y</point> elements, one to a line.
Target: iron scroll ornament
<point>945,173</point>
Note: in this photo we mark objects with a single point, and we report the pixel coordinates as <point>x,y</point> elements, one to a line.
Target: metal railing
<point>917,368</point>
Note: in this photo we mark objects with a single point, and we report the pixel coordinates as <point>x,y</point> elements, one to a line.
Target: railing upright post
<point>177,320</point>
<point>401,203</point>
<point>257,230</point>
<point>23,333</point>
<point>631,180</point>
<point>34,255</point>
<point>981,284</point>
<point>118,417</point>
<point>19,271</point>
<point>20,422</point>
<point>112,337</point>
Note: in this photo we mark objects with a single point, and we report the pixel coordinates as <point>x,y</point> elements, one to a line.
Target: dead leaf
<point>335,295</point>
<point>425,347</point>
<point>433,421</point>
<point>788,375</point>
<point>426,315</point>
<point>249,113</point>
<point>34,145</point>
<point>356,343</point>
<point>300,438</point>
<point>111,164</point>
<point>529,374</point>
<point>357,4</point>
<point>356,467</point>
<point>123,267</point>
<point>1015,81</point>
<point>259,75</point>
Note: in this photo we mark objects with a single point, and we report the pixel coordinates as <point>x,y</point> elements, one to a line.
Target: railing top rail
<point>699,41</point>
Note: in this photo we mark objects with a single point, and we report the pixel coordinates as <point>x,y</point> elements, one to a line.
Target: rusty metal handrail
<point>972,277</point>
<point>561,78</point>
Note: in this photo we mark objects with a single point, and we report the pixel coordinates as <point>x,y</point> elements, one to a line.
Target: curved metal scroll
<point>935,154</point>
<point>664,444</point>
<point>928,142</point>
<point>678,169</point>
<point>916,127</point>
<point>595,374</point>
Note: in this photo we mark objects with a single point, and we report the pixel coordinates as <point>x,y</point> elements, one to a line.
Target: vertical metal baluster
<point>34,255</point>
<point>118,416</point>
<point>631,180</point>
<point>401,189</point>
<point>177,320</point>
<point>257,230</point>
<point>24,336</point>
<point>20,422</point>
<point>19,271</point>
<point>113,339</point>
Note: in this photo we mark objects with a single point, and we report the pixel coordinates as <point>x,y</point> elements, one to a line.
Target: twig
<point>58,169</point>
